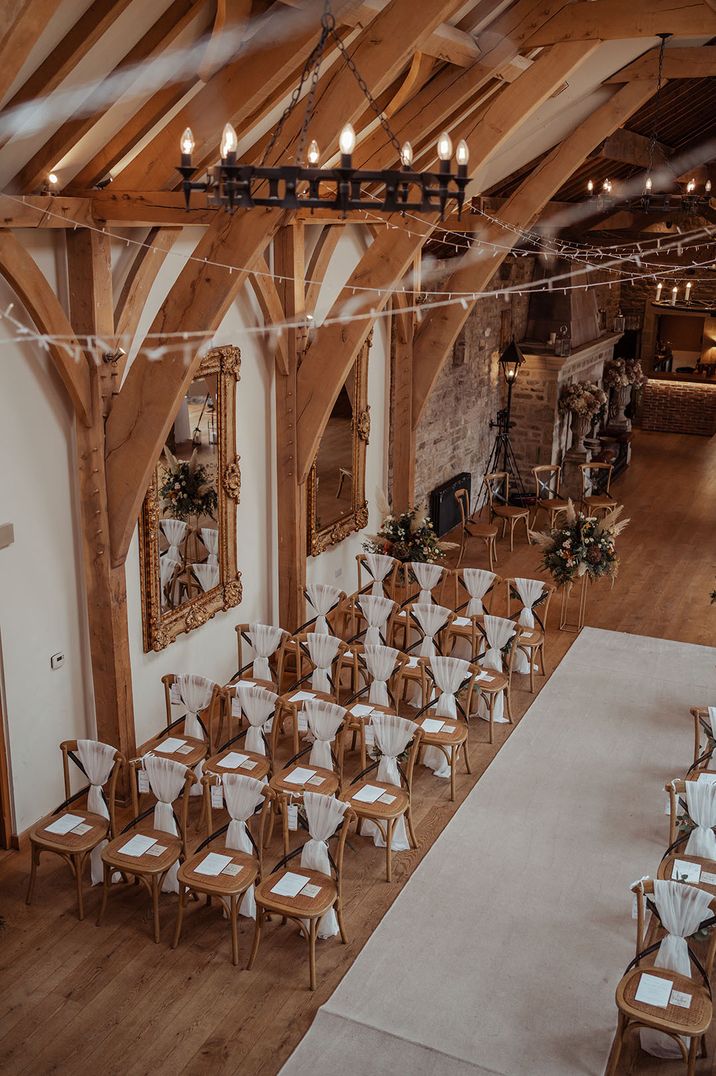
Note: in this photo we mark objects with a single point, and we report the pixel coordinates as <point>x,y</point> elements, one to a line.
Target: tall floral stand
<point>621,398</point>
<point>567,621</point>
<point>576,454</point>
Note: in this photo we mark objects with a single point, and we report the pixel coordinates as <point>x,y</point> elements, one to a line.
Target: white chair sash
<point>701,805</point>
<point>392,736</point>
<point>97,760</point>
<point>376,611</point>
<point>265,640</point>
<point>210,538</point>
<point>530,591</point>
<point>712,719</point>
<point>681,909</point>
<point>428,577</point>
<point>322,597</point>
<point>449,674</point>
<point>174,532</point>
<point>477,583</point>
<point>378,565</point>
<point>242,796</point>
<point>324,814</point>
<point>207,575</point>
<point>168,564</point>
<point>324,720</point>
<point>498,630</point>
<point>380,661</point>
<point>432,619</point>
<point>258,705</point>
<point>166,780</point>
<point>322,649</point>
<point>194,694</point>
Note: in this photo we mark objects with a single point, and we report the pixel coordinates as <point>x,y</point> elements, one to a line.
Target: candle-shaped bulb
<point>53,179</point>
<point>590,185</point>
<point>186,142</point>
<point>659,289</point>
<point>229,141</point>
<point>688,290</point>
<point>313,153</point>
<point>707,188</point>
<point>648,185</point>
<point>691,186</point>
<point>462,153</point>
<point>347,140</point>
<point>674,293</point>
<point>406,155</point>
<point>445,146</point>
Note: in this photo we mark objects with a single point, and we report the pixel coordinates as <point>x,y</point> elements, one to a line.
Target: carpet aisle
<point>502,952</point>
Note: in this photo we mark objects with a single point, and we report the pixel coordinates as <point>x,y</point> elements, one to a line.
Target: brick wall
<point>679,407</point>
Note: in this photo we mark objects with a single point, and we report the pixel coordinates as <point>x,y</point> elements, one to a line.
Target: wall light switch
<point>57,661</point>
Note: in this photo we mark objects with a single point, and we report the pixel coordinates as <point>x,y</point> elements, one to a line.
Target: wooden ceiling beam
<point>318,265</point>
<point>155,41</point>
<point>609,20</point>
<point>21,25</point>
<point>266,292</point>
<point>29,284</point>
<point>231,16</point>
<point>137,285</point>
<point>628,147</point>
<point>440,327</point>
<point>678,63</point>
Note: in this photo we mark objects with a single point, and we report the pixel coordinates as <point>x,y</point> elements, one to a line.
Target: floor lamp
<point>502,456</point>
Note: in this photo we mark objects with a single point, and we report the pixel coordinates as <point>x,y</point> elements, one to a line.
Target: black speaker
<point>444,510</point>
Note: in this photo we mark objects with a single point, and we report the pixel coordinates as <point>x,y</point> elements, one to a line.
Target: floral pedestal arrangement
<point>409,537</point>
<point>581,400</point>
<point>621,377</point>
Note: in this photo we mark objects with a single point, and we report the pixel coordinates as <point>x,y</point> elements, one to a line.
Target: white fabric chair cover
<point>207,575</point>
<point>378,565</point>
<point>324,815</point>
<point>166,780</point>
<point>168,564</point>
<point>499,630</point>
<point>449,674</point>
<point>193,693</point>
<point>97,759</point>
<point>477,583</point>
<point>324,720</point>
<point>242,796</point>
<point>265,639</point>
<point>530,591</point>
<point>392,736</point>
<point>432,619</point>
<point>210,538</point>
<point>681,909</point>
<point>323,597</point>
<point>258,705</point>
<point>380,661</point>
<point>428,576</point>
<point>376,611</point>
<point>701,805</point>
<point>712,719</point>
<point>174,531</point>
<point>322,649</point>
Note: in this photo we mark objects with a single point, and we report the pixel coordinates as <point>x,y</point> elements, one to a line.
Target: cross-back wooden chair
<point>313,681</point>
<point>195,728</point>
<point>387,812</point>
<point>431,625</point>
<point>380,568</point>
<point>497,488</point>
<point>378,676</point>
<point>673,1020</point>
<point>493,682</point>
<point>704,743</point>
<point>249,749</point>
<point>444,716</point>
<point>471,527</point>
<point>548,498</point>
<point>241,863</point>
<point>370,619</point>
<point>478,587</point>
<point>596,480</point>
<point>77,828</point>
<point>164,835</point>
<point>317,908</point>
<point>532,623</point>
<point>327,603</point>
<point>267,644</point>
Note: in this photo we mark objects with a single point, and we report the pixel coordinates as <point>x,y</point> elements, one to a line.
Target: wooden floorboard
<point>75,998</point>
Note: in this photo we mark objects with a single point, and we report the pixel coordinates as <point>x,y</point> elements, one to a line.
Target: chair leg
<point>493,553</point>
<point>617,1047</point>
<point>156,883</point>
<point>341,927</point>
<point>491,712</point>
<point>389,850</point>
<point>508,703</point>
<point>77,864</point>
<point>530,655</point>
<point>233,915</point>
<point>33,873</point>
<point>466,755</point>
<point>453,764</point>
<point>693,1050</point>
<point>411,831</point>
<point>312,932</point>
<point>257,936</point>
<point>527,528</point>
<point>105,893</point>
<point>512,534</point>
<point>180,916</point>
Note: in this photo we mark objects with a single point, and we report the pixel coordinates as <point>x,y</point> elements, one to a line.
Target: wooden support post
<point>291,493</point>
<point>91,311</point>
<point>402,434</point>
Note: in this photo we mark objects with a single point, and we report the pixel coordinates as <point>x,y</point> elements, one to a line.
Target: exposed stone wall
<point>454,433</point>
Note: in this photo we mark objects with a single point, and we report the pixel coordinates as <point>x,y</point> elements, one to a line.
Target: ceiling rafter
<point>697,62</point>
<point>266,292</point>
<point>609,20</point>
<point>22,22</point>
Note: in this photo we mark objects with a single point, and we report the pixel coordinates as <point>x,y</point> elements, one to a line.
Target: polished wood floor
<point>77,999</point>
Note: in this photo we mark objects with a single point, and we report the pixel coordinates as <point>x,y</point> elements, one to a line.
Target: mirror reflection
<point>188,498</point>
<point>334,462</point>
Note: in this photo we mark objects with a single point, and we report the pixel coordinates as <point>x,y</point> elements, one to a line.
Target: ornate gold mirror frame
<point>322,533</point>
<point>162,625</point>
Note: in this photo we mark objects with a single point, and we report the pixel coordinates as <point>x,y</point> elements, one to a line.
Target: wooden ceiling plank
<point>678,63</point>
<point>20,32</point>
<point>609,20</point>
<point>157,39</point>
<point>440,327</point>
<point>632,148</point>
<point>28,282</point>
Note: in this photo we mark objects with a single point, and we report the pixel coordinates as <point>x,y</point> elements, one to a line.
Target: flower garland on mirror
<point>618,373</point>
<point>583,398</point>
<point>187,489</point>
<point>582,545</point>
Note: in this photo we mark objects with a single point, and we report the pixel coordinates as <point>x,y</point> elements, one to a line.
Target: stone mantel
<point>590,354</point>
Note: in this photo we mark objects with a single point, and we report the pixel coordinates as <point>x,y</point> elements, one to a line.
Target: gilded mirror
<point>336,484</point>
<point>187,531</point>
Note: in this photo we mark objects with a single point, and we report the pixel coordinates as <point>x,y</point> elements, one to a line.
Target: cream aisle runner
<point>502,952</point>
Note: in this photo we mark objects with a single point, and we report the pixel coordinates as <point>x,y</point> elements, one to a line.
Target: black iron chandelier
<point>305,185</point>
<point>689,201</point>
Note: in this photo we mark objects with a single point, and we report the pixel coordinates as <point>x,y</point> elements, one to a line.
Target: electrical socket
<point>57,661</point>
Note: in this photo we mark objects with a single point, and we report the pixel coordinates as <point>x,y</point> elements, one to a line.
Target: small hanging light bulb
<point>674,294</point>
<point>688,291</point>
<point>590,186</point>
<point>691,186</point>
<point>347,140</point>
<point>707,188</point>
<point>444,147</point>
<point>313,154</point>
<point>229,142</point>
<point>53,179</point>
<point>462,153</point>
<point>659,289</point>
<point>406,155</point>
<point>186,144</point>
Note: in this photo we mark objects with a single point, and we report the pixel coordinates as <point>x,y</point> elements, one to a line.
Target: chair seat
<point>708,866</point>
<point>70,842</point>
<point>190,758</point>
<point>510,511</point>
<point>382,811</point>
<point>600,501</point>
<point>692,1021</point>
<point>299,906</point>
<point>452,734</point>
<point>530,637</point>
<point>330,782</point>
<point>259,769</point>
<point>481,530</point>
<point>247,678</point>
<point>498,682</point>
<point>220,884</point>
<point>551,503</point>
<point>286,699</point>
<point>144,864</point>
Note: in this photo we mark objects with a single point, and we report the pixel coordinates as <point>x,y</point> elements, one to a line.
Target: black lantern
<point>510,360</point>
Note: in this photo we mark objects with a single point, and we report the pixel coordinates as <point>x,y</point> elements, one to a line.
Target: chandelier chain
<point>659,80</point>
<point>366,92</point>
<point>311,67</point>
